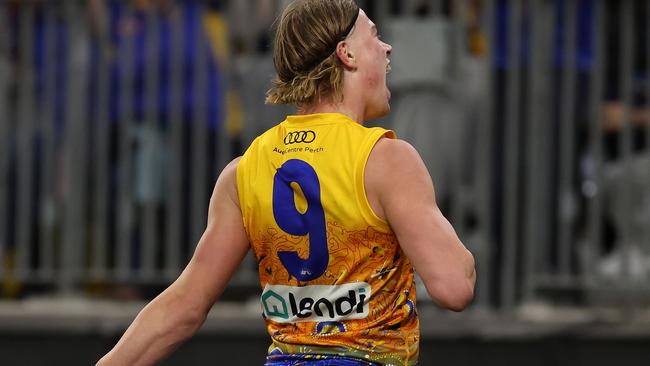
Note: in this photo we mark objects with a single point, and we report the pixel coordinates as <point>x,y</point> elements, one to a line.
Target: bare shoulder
<point>392,159</point>
<point>393,150</point>
<point>231,168</point>
<point>394,166</point>
<point>227,181</point>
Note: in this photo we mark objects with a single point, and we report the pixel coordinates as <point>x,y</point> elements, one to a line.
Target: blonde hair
<point>308,69</point>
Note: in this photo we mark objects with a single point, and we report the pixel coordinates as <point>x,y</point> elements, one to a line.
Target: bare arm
<point>179,311</point>
<point>400,190</point>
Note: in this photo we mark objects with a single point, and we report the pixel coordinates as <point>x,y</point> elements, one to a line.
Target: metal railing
<point>553,215</point>
<point>112,132</point>
<point>110,141</point>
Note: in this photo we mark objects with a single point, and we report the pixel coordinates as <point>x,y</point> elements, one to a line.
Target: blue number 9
<point>290,220</point>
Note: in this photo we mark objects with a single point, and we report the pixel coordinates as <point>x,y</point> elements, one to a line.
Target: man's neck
<point>356,114</point>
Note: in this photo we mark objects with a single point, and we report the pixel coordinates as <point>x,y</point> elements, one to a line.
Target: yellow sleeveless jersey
<point>334,279</point>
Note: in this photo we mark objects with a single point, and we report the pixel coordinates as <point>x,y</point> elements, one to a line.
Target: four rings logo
<point>299,136</point>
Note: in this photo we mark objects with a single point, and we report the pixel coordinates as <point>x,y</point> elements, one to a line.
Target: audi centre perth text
<point>296,150</point>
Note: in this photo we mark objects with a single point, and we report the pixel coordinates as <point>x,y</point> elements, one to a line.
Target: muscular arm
<point>400,191</point>
<point>179,311</point>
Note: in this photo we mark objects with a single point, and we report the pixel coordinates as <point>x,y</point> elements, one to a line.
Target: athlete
<point>337,215</point>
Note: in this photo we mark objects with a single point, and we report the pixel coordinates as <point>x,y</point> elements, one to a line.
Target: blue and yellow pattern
<point>306,214</point>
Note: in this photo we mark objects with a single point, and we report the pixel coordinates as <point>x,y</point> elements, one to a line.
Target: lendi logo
<point>299,136</point>
<point>318,303</point>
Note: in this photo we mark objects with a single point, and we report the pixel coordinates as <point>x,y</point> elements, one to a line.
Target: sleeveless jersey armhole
<point>360,186</point>
<point>241,190</point>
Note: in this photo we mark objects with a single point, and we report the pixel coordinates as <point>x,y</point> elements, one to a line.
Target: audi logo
<point>299,136</point>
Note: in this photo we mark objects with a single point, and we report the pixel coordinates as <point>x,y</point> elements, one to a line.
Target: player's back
<point>334,278</point>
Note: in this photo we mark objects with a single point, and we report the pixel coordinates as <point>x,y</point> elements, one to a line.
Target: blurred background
<point>116,117</point>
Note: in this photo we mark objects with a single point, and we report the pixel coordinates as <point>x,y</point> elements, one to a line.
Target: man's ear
<point>345,54</point>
